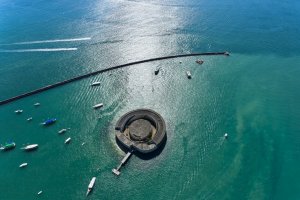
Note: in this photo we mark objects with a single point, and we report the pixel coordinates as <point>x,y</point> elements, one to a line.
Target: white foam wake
<point>50,41</point>
<point>37,50</point>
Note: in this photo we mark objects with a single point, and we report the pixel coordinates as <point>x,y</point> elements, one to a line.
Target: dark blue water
<point>253,95</point>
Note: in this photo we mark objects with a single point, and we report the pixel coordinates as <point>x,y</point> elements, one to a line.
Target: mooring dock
<point>124,160</point>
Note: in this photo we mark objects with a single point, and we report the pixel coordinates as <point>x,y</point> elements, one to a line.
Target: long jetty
<point>105,70</point>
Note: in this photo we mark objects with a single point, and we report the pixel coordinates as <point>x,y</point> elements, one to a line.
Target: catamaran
<point>8,146</point>
<point>91,185</point>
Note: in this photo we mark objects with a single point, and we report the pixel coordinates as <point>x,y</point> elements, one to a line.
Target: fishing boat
<point>18,111</point>
<point>189,75</point>
<point>23,165</point>
<point>96,83</point>
<point>156,71</point>
<point>91,185</point>
<point>37,104</point>
<point>49,122</point>
<point>8,146</point>
<point>68,140</point>
<point>98,106</point>
<point>30,147</point>
<point>62,131</point>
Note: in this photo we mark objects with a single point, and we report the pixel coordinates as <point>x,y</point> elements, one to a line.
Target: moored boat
<point>189,75</point>
<point>49,122</point>
<point>18,111</point>
<point>91,185</point>
<point>98,106</point>
<point>8,146</point>
<point>96,83</point>
<point>30,147</point>
<point>23,165</point>
<point>200,62</point>
<point>68,140</point>
<point>62,131</point>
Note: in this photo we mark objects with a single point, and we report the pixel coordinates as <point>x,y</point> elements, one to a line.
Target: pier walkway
<point>105,70</point>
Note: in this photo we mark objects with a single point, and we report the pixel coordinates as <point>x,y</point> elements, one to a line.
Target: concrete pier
<point>124,160</point>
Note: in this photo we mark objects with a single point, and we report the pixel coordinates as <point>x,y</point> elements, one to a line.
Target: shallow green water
<point>252,95</point>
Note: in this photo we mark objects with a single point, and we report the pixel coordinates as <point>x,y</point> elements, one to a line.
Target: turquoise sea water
<point>253,95</point>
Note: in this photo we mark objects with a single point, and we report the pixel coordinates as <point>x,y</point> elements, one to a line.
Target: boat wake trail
<point>37,50</point>
<point>50,41</point>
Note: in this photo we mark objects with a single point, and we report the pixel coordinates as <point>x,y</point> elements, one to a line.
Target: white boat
<point>189,75</point>
<point>18,111</point>
<point>23,165</point>
<point>91,185</point>
<point>29,119</point>
<point>67,140</point>
<point>40,192</point>
<point>98,106</point>
<point>225,135</point>
<point>62,131</point>
<point>95,83</point>
<point>37,104</point>
<point>30,147</point>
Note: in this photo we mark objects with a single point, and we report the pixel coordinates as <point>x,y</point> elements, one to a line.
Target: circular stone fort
<point>141,130</point>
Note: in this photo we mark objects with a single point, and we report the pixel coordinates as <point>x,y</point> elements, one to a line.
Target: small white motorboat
<point>189,75</point>
<point>96,83</point>
<point>83,144</point>
<point>98,106</point>
<point>29,119</point>
<point>23,165</point>
<point>37,104</point>
<point>91,185</point>
<point>40,192</point>
<point>68,140</point>
<point>30,147</point>
<point>62,131</point>
<point>18,111</point>
<point>226,135</point>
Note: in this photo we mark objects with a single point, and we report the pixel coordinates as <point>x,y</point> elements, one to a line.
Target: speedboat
<point>40,192</point>
<point>29,119</point>
<point>98,106</point>
<point>91,185</point>
<point>68,140</point>
<point>96,83</point>
<point>23,165</point>
<point>200,62</point>
<point>37,104</point>
<point>30,147</point>
<point>18,111</point>
<point>62,131</point>
<point>8,146</point>
<point>189,75</point>
<point>49,122</point>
